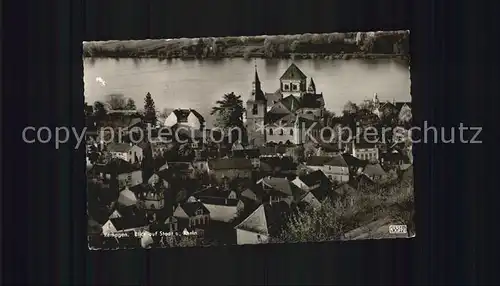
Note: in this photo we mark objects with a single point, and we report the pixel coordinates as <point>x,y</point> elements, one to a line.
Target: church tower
<point>293,82</point>
<point>255,113</point>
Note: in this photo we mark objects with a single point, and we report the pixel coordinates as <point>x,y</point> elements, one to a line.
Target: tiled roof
<point>291,103</point>
<point>353,161</point>
<point>218,201</point>
<point>310,100</point>
<point>211,192</point>
<point>267,219</point>
<point>293,73</point>
<point>277,164</point>
<point>374,170</point>
<point>230,163</point>
<point>279,184</point>
<point>314,178</point>
<point>336,160</point>
<point>191,208</point>
<point>128,222</point>
<point>250,153</point>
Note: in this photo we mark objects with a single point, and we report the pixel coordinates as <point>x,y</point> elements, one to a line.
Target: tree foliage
<point>130,104</point>
<point>350,108</point>
<point>149,110</point>
<point>351,210</point>
<point>99,110</point>
<point>229,111</point>
<point>116,101</point>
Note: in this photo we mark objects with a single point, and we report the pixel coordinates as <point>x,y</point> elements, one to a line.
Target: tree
<point>229,111</point>
<point>405,117</point>
<point>315,225</point>
<point>99,110</point>
<point>336,38</point>
<point>130,104</point>
<point>294,45</point>
<point>87,109</point>
<point>200,45</point>
<point>186,151</point>
<point>116,101</point>
<point>350,108</point>
<point>309,150</point>
<point>149,110</point>
<point>269,47</point>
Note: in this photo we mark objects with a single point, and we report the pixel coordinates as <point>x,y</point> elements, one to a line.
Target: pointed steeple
<point>312,86</point>
<point>256,79</point>
<point>256,87</point>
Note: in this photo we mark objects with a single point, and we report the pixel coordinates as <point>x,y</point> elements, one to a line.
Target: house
<point>220,209</point>
<point>279,111</point>
<point>356,165</point>
<point>252,154</point>
<point>365,150</point>
<point>127,197</point>
<point>251,194</point>
<point>396,159</point>
<point>311,181</point>
<point>217,192</point>
<point>335,167</point>
<point>125,224</point>
<point>328,149</point>
<point>157,181</point>
<point>273,166</point>
<point>262,224</point>
<point>279,189</point>
<point>375,172</point>
<point>150,197</point>
<point>180,169</point>
<point>194,212</point>
<point>185,117</point>
<point>124,173</point>
<point>230,168</point>
<point>129,152</point>
<point>291,128</point>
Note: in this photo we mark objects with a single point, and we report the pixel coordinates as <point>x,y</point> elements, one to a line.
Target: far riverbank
<point>372,45</point>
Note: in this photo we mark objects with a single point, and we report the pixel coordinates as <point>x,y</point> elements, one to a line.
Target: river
<point>198,84</point>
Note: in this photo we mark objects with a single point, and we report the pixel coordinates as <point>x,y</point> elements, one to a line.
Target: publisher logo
<point>398,229</point>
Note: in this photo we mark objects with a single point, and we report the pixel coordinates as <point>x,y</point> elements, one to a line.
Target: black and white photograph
<point>201,142</point>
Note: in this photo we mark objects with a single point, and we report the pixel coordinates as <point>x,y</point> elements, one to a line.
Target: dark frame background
<point>43,192</point>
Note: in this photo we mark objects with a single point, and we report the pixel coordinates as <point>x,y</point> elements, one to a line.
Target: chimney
<point>393,101</point>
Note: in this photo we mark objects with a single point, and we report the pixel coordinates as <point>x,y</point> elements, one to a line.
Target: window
<point>295,87</point>
<point>270,132</point>
<point>255,109</point>
<point>291,131</point>
<point>259,239</point>
<point>281,131</point>
<point>286,86</point>
<point>199,212</point>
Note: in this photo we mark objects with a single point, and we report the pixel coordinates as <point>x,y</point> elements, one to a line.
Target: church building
<point>285,115</point>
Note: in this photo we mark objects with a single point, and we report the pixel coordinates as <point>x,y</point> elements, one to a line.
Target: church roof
<point>291,103</point>
<point>310,100</point>
<point>293,73</point>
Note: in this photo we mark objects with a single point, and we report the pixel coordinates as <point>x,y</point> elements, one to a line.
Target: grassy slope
<point>333,45</point>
